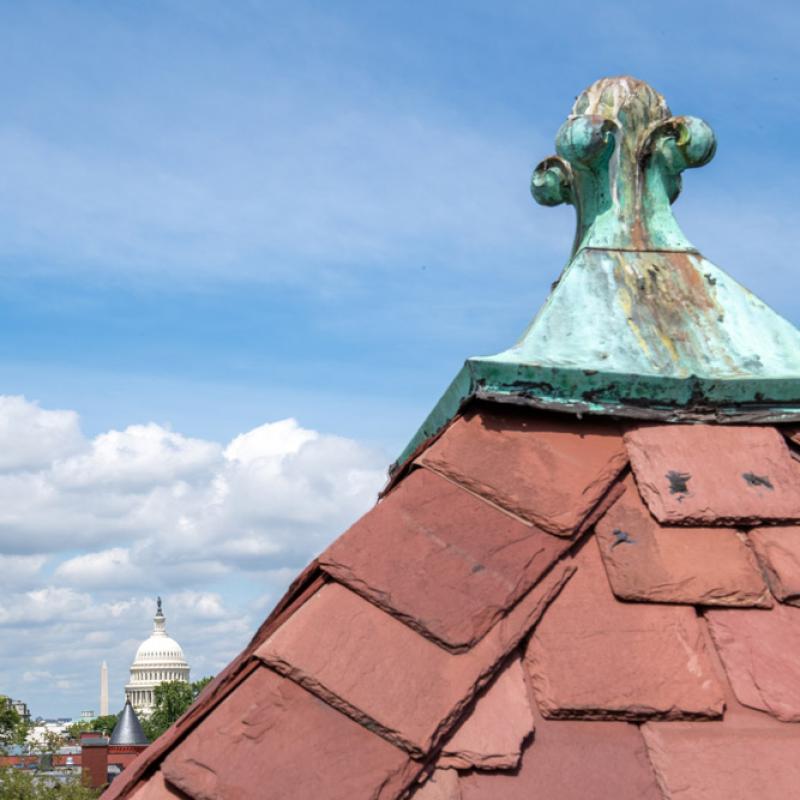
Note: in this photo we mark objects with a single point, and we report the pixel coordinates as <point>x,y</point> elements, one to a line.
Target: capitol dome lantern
<point>159,659</point>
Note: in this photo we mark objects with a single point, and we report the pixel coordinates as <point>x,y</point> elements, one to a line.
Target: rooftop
<point>583,580</point>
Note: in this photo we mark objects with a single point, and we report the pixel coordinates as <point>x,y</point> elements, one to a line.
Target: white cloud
<point>274,440</point>
<point>138,458</point>
<point>99,569</point>
<point>93,529</point>
<point>31,437</point>
<point>18,572</point>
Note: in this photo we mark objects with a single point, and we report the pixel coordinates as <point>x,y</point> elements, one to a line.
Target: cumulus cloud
<point>92,529</point>
<point>137,459</point>
<point>31,437</point>
<point>93,570</point>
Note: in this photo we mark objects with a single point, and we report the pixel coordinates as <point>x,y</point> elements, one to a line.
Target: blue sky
<point>219,215</point>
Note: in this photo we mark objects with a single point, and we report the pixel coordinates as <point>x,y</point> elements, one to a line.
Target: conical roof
<point>128,729</point>
<point>581,582</point>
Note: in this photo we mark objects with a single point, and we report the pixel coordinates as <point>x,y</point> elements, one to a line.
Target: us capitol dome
<point>159,658</point>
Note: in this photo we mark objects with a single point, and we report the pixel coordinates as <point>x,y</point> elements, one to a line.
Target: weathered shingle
<point>157,789</point>
<point>573,761</point>
<point>446,562</point>
<point>492,736</point>
<point>646,561</point>
<point>594,657</point>
<point>778,550</point>
<point>761,653</point>
<point>442,785</point>
<point>715,474</point>
<point>546,469</point>
<point>273,740</point>
<point>375,668</point>
<point>723,761</point>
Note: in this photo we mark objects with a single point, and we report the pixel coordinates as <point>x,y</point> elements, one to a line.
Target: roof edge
<point>626,395</point>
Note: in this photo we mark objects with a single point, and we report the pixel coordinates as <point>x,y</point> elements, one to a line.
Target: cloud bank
<point>92,529</point>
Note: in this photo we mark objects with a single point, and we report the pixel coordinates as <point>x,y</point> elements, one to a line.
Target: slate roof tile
<point>647,562</point>
<point>724,760</point>
<point>273,740</point>
<point>442,785</point>
<point>157,789</point>
<point>778,550</point>
<point>550,470</point>
<point>742,715</point>
<point>570,760</point>
<point>715,474</point>
<point>594,657</point>
<point>375,668</point>
<point>493,734</point>
<point>761,653</point>
<point>464,562</point>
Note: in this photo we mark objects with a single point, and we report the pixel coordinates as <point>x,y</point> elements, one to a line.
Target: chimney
<point>94,759</point>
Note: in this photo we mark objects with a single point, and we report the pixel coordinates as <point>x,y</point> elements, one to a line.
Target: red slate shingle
<point>594,657</point>
<point>715,474</point>
<point>761,653</point>
<point>778,550</point>
<point>442,785</point>
<point>723,761</point>
<point>273,740</point>
<point>444,561</point>
<point>156,789</point>
<point>375,668</point>
<point>647,562</point>
<point>493,734</point>
<point>547,469</point>
<point>573,761</point>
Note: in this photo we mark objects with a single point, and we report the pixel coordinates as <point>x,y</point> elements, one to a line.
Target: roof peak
<point>639,324</point>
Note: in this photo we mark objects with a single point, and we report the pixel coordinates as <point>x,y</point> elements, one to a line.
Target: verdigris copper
<point>620,158</point>
<point>639,324</point>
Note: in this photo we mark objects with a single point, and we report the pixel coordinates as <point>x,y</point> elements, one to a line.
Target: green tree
<point>198,686</point>
<point>13,729</point>
<point>172,698</point>
<point>19,784</point>
<point>104,725</point>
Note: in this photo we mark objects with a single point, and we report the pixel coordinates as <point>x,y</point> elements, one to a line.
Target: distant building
<point>158,659</point>
<point>104,689</point>
<point>102,759</point>
<point>21,709</point>
<point>87,716</point>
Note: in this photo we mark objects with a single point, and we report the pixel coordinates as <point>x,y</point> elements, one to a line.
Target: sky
<point>244,246</point>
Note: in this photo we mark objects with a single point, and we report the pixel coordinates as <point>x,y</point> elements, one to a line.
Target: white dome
<point>159,658</point>
<point>161,649</point>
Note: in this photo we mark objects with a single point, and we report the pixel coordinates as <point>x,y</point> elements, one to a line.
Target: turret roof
<point>581,581</point>
<point>128,729</point>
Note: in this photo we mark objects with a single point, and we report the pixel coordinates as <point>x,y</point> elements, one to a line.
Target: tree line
<point>172,699</point>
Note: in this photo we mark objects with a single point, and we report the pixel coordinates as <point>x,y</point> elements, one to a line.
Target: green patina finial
<point>620,158</point>
<point>639,324</point>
